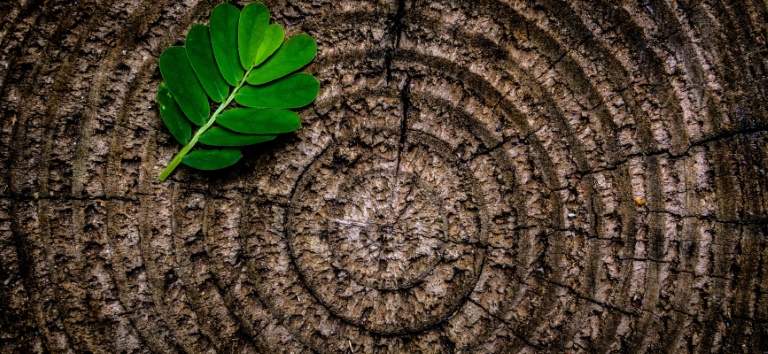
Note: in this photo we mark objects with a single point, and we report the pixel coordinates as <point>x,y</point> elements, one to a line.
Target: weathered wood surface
<point>476,176</point>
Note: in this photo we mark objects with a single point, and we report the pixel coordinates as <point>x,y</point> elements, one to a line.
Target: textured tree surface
<point>475,176</point>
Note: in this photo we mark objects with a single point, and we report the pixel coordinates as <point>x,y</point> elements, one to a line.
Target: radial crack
<point>405,98</point>
<point>395,28</point>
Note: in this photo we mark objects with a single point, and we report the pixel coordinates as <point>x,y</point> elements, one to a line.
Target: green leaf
<point>293,55</point>
<point>259,121</point>
<point>213,66</point>
<point>212,159</point>
<point>273,38</point>
<point>172,115</point>
<point>183,84</point>
<point>294,91</point>
<point>218,136</point>
<point>224,20</point>
<point>200,53</point>
<point>250,32</point>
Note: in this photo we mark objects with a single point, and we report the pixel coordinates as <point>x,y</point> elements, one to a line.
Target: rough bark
<point>476,176</point>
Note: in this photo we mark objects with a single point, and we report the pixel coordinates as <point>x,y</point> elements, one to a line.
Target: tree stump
<point>475,177</point>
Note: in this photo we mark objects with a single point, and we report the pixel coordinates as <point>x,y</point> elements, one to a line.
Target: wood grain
<point>475,177</point>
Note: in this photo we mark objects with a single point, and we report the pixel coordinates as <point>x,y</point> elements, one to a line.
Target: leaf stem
<point>185,150</point>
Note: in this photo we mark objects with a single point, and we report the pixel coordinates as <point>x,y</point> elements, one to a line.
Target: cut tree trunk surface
<point>475,176</point>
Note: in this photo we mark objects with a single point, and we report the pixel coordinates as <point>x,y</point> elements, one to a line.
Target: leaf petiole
<point>185,150</point>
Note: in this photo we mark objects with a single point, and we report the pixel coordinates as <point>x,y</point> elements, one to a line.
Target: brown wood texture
<point>512,176</point>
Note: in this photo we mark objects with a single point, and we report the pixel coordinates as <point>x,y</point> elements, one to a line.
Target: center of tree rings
<point>388,236</point>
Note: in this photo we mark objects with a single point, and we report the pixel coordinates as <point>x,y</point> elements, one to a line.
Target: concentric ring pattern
<point>475,176</point>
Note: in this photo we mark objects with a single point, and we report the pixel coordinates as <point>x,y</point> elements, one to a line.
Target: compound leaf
<point>212,159</point>
<point>218,136</point>
<point>172,115</point>
<point>293,55</point>
<point>250,32</point>
<point>294,91</point>
<point>259,121</point>
<point>224,22</point>
<point>213,64</point>
<point>183,84</point>
<point>200,53</point>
